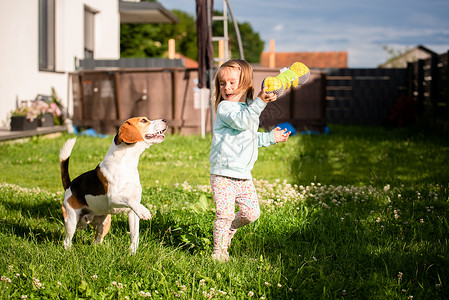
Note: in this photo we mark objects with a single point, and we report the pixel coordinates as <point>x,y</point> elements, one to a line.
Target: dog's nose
<point>164,120</point>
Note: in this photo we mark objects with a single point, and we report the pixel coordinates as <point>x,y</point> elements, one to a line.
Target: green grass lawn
<point>359,213</point>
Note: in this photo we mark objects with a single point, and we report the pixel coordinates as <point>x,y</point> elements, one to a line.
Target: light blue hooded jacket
<point>236,138</point>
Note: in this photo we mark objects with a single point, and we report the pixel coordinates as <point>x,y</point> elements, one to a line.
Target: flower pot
<point>46,120</point>
<point>19,123</point>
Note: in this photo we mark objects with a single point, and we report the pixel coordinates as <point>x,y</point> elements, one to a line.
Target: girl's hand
<point>267,97</point>
<point>281,135</point>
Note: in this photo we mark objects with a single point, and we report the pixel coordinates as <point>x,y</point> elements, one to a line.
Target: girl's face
<point>229,80</point>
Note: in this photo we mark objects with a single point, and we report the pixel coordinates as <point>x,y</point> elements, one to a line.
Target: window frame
<point>89,32</point>
<point>47,35</point>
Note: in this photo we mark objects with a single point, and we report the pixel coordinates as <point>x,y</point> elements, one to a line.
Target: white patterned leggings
<point>227,192</point>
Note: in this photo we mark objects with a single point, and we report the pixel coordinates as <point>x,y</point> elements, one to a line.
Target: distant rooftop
<point>321,60</point>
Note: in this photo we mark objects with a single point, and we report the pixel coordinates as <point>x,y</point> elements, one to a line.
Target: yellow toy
<point>296,74</point>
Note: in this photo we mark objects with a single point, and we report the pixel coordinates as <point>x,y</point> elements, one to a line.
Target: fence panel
<point>105,98</point>
<point>363,96</point>
<point>429,84</point>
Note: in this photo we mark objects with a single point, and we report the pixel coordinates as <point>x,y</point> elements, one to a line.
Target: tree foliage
<point>151,40</point>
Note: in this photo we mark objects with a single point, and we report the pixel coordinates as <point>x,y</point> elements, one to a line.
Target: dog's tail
<point>64,157</point>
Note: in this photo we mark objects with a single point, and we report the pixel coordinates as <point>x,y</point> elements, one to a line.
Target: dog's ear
<point>128,133</point>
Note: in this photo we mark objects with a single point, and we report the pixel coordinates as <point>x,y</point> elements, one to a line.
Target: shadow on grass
<point>371,156</point>
<point>27,220</point>
<point>189,231</point>
<point>341,249</point>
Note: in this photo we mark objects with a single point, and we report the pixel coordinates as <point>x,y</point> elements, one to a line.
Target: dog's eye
<point>143,121</point>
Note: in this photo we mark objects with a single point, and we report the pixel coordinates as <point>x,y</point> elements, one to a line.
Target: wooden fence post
<point>420,85</point>
<point>410,76</point>
<point>434,88</point>
<point>447,86</point>
<point>174,82</point>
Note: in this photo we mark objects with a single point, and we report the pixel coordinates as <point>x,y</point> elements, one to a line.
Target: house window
<point>47,35</point>
<point>89,32</point>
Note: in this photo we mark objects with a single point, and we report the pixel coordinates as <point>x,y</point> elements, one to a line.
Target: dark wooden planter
<point>19,123</point>
<point>46,120</point>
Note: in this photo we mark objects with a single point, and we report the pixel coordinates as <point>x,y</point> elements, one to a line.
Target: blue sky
<point>360,27</point>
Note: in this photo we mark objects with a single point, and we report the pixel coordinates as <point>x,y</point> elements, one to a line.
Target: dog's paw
<point>133,249</point>
<point>143,213</point>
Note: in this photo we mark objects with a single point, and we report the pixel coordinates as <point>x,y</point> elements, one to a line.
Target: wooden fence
<point>429,85</point>
<point>363,96</point>
<point>104,98</point>
<point>390,96</point>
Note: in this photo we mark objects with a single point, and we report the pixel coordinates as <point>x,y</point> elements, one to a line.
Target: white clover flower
<point>5,279</point>
<point>37,283</point>
<point>250,294</point>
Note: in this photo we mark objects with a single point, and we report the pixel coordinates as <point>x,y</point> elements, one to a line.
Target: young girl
<point>234,150</point>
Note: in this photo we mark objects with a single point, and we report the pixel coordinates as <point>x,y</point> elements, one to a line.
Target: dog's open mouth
<point>158,134</point>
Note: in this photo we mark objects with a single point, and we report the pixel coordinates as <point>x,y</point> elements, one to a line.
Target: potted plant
<point>44,116</point>
<point>24,118</point>
<point>44,111</point>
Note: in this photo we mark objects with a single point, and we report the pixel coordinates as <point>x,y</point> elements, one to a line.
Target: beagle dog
<point>113,187</point>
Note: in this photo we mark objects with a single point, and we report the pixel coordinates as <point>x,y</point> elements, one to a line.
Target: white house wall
<point>20,78</point>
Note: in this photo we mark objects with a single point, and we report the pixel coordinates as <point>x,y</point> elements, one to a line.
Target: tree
<point>251,43</point>
<point>151,40</point>
<point>394,55</point>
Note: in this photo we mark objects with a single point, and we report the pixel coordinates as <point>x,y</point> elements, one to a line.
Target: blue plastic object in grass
<point>89,132</point>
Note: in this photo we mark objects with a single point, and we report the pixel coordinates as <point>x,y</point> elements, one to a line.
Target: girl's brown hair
<point>246,83</point>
